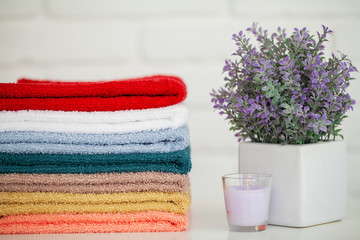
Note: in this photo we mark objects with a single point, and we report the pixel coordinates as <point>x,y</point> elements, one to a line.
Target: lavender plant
<point>284,90</point>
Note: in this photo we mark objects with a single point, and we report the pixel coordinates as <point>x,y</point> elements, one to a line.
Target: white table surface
<point>208,218</point>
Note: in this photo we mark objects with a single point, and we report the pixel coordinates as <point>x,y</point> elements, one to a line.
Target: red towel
<point>140,93</point>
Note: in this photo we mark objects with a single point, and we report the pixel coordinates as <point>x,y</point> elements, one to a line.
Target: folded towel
<point>12,203</point>
<point>163,140</point>
<point>95,183</point>
<point>148,92</point>
<point>95,122</point>
<point>175,162</point>
<point>151,221</point>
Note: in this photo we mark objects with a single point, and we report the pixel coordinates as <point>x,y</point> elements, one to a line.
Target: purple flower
<point>285,90</point>
<point>323,128</point>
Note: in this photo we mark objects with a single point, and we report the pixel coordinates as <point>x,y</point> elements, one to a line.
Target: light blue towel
<point>164,140</point>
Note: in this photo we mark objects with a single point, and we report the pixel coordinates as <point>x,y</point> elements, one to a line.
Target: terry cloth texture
<point>95,183</point>
<point>140,93</point>
<point>164,140</point>
<point>175,162</point>
<point>150,221</point>
<point>95,122</point>
<point>12,203</point>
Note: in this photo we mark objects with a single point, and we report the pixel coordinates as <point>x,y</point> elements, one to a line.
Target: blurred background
<point>91,40</point>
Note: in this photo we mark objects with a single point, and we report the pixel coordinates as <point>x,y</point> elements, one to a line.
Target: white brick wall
<point>186,41</point>
<point>137,8</point>
<point>44,41</point>
<point>109,39</point>
<point>298,9</point>
<point>20,8</point>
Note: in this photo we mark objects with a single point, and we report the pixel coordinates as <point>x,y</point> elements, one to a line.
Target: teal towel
<point>176,162</point>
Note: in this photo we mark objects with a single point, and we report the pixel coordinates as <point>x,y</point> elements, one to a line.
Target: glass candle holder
<point>247,200</point>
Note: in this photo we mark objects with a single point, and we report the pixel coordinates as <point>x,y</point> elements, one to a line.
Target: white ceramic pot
<point>309,181</point>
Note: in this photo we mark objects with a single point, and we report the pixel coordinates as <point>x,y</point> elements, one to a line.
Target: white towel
<point>95,122</point>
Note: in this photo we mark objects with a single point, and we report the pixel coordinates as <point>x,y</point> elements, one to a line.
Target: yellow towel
<point>50,202</point>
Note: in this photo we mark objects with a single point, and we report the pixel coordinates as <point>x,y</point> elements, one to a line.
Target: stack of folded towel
<point>80,157</point>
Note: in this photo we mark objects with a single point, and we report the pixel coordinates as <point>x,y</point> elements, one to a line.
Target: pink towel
<point>94,223</point>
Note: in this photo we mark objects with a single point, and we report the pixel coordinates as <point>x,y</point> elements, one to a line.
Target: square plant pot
<point>309,181</point>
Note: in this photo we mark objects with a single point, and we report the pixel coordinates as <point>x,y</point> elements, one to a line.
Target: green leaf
<point>268,94</point>
<point>275,99</point>
<point>287,42</point>
<point>287,111</point>
<point>337,131</point>
<point>285,105</point>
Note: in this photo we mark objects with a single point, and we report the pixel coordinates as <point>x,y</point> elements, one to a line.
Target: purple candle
<point>247,206</point>
<point>247,199</point>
